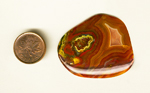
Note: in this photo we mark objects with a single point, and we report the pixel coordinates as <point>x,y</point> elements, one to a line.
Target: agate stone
<point>99,47</point>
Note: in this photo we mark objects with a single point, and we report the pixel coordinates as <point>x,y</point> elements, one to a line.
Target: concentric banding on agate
<point>100,46</point>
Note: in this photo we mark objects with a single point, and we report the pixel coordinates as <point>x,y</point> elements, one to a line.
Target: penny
<point>29,47</point>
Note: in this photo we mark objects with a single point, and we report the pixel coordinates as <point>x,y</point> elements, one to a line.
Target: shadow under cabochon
<point>99,47</point>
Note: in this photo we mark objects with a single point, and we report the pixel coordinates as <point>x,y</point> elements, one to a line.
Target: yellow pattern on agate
<point>61,51</point>
<point>76,60</point>
<point>89,42</point>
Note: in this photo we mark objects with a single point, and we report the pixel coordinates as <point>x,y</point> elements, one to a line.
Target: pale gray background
<point>55,18</point>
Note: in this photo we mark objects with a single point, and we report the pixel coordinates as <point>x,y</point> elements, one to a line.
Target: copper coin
<point>29,47</point>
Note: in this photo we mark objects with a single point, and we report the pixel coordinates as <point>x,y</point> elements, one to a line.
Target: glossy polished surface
<point>99,47</point>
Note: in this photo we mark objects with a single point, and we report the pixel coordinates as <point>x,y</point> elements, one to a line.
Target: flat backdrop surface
<point>54,18</point>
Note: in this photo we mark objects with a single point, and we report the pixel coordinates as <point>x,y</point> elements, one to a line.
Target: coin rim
<point>40,39</point>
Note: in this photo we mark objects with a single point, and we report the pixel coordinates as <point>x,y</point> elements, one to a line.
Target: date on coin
<point>29,47</point>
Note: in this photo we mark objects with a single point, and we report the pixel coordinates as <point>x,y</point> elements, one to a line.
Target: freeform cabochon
<point>99,47</point>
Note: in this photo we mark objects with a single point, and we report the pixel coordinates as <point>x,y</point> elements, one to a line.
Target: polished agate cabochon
<point>99,47</point>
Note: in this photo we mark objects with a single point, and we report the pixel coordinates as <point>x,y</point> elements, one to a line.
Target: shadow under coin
<point>44,37</point>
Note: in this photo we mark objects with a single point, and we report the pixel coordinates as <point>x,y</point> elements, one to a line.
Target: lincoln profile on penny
<point>99,47</point>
